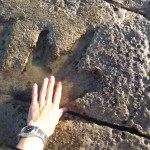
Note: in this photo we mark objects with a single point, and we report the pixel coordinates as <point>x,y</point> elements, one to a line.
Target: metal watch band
<point>34,132</point>
<point>39,133</point>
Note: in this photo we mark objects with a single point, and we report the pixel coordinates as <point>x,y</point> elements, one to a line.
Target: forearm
<point>30,143</point>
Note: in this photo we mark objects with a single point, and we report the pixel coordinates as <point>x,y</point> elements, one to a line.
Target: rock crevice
<point>106,124</point>
<point>145,13</point>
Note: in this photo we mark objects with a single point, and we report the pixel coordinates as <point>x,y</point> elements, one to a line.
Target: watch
<point>30,131</point>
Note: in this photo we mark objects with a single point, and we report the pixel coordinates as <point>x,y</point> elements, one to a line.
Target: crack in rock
<point>105,72</point>
<point>77,135</point>
<point>119,5</point>
<point>103,123</point>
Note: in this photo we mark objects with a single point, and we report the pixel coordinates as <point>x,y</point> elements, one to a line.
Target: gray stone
<point>64,21</point>
<point>63,30</point>
<point>119,53</point>
<point>3,147</point>
<point>141,6</point>
<point>100,54</point>
<point>77,135</point>
<point>13,116</point>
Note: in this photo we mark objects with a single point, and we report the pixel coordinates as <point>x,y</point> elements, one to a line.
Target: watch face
<point>28,129</point>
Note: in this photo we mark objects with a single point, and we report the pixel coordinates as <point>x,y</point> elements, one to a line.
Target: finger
<point>34,101</point>
<point>49,94</point>
<point>43,92</point>
<point>62,110</point>
<point>57,94</point>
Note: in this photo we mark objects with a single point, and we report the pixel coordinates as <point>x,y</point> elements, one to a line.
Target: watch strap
<point>41,134</point>
<point>35,132</point>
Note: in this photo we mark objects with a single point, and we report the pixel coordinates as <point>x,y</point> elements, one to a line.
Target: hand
<point>45,113</point>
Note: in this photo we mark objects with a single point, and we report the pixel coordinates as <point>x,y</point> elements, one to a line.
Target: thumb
<point>62,110</point>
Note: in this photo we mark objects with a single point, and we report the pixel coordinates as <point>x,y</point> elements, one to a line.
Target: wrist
<point>30,143</point>
<point>31,131</point>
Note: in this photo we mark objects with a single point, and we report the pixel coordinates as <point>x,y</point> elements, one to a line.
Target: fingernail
<point>52,77</point>
<point>60,83</point>
<point>35,85</point>
<point>45,78</point>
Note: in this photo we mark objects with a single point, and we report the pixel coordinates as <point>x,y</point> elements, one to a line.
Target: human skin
<point>44,112</point>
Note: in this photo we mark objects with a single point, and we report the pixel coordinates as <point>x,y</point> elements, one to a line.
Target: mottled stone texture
<point>99,49</point>
<point>120,55</point>
<point>141,6</point>
<point>60,19</point>
<point>76,135</point>
<point>13,116</point>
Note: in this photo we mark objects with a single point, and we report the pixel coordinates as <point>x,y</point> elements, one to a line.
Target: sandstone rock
<point>77,135</point>
<point>46,36</point>
<point>64,22</point>
<point>3,147</point>
<point>13,115</point>
<point>119,53</point>
<point>142,6</point>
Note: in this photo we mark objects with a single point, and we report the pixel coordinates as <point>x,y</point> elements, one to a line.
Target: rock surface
<point>99,49</point>
<point>120,55</point>
<point>142,6</point>
<point>77,135</point>
<point>13,116</point>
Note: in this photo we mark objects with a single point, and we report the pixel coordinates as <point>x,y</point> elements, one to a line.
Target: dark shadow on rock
<point>45,57</point>
<point>44,52</point>
<point>13,115</point>
<point>24,96</point>
<point>76,81</point>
